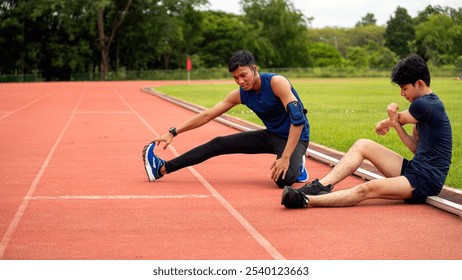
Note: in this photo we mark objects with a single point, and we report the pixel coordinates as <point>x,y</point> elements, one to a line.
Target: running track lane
<point>73,187</point>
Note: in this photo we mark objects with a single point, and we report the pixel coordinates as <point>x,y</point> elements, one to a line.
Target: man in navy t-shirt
<point>411,180</point>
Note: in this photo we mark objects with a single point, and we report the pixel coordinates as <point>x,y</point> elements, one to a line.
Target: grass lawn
<point>341,111</point>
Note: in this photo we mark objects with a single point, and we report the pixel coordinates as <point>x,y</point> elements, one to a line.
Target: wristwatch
<point>172,130</point>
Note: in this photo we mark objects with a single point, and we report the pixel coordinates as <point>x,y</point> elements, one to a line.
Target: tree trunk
<point>104,41</point>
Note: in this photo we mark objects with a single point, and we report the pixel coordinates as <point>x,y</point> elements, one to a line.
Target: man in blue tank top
<point>274,101</point>
<point>412,180</point>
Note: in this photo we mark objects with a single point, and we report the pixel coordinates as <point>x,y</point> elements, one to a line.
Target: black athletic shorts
<point>422,184</point>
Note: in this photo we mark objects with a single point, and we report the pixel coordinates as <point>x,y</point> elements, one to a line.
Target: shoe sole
<point>285,191</point>
<point>302,180</point>
<point>147,166</point>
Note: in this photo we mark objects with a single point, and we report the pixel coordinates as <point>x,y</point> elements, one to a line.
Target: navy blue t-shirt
<point>434,149</point>
<point>269,108</point>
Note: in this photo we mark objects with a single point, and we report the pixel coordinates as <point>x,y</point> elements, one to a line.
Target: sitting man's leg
<point>386,188</point>
<point>388,162</point>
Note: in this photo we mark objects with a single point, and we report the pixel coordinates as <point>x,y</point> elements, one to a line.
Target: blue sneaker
<point>152,163</point>
<point>303,177</point>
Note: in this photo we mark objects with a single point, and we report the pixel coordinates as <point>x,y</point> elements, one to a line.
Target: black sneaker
<point>315,188</point>
<point>293,198</point>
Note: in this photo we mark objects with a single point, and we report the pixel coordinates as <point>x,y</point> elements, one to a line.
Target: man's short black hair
<point>409,70</point>
<point>241,58</point>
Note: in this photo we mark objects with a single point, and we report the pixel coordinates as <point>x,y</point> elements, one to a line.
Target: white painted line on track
<point>116,197</point>
<point>26,105</point>
<point>104,112</point>
<point>22,207</point>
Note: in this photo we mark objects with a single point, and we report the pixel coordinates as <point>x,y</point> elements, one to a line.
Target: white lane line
<point>247,226</point>
<point>26,105</point>
<point>104,113</point>
<point>22,207</point>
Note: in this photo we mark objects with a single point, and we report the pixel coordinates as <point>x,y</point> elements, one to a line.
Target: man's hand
<point>381,128</point>
<point>279,166</point>
<point>392,110</point>
<point>167,138</point>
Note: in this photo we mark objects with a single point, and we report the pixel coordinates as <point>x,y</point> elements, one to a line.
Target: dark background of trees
<point>56,39</point>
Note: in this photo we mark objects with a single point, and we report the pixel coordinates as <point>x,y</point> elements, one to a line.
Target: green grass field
<point>341,111</point>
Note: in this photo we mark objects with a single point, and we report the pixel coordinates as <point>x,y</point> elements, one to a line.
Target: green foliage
<point>439,39</point>
<point>399,32</point>
<point>372,55</point>
<point>368,19</point>
<point>222,35</point>
<point>63,40</point>
<point>281,27</point>
<point>323,55</point>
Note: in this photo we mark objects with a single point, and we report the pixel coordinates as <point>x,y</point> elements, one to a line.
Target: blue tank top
<point>269,108</point>
<point>434,150</point>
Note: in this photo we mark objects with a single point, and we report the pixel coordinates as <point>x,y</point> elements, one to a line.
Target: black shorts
<point>422,184</point>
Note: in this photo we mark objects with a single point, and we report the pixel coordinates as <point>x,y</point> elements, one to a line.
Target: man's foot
<point>152,163</point>
<point>315,188</point>
<point>293,198</point>
<point>303,177</point>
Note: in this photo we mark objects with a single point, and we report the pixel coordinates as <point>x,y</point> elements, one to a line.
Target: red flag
<point>188,64</point>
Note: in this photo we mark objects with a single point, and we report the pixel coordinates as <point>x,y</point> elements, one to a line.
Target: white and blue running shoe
<point>152,163</point>
<point>303,177</point>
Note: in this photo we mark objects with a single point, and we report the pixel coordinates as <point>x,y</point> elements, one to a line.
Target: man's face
<point>407,91</point>
<point>245,76</point>
<point>411,91</point>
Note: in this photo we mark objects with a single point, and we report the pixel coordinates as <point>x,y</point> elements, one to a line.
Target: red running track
<point>72,186</point>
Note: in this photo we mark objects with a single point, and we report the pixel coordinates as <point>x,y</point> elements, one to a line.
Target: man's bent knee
<point>363,144</point>
<point>281,183</point>
<point>364,191</point>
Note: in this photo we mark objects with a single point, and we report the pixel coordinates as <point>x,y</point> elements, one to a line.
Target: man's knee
<point>289,179</point>
<point>362,144</point>
<point>363,191</point>
<point>364,147</point>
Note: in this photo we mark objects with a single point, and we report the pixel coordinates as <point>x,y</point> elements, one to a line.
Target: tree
<point>358,57</point>
<point>399,32</point>
<point>423,15</point>
<point>368,19</point>
<point>380,56</point>
<point>361,35</point>
<point>438,39</point>
<point>52,38</point>
<point>222,35</point>
<point>114,12</point>
<point>11,38</point>
<point>159,34</point>
<point>277,33</point>
<point>324,55</point>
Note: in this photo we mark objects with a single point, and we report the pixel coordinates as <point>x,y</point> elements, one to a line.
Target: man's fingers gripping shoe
<point>152,163</point>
